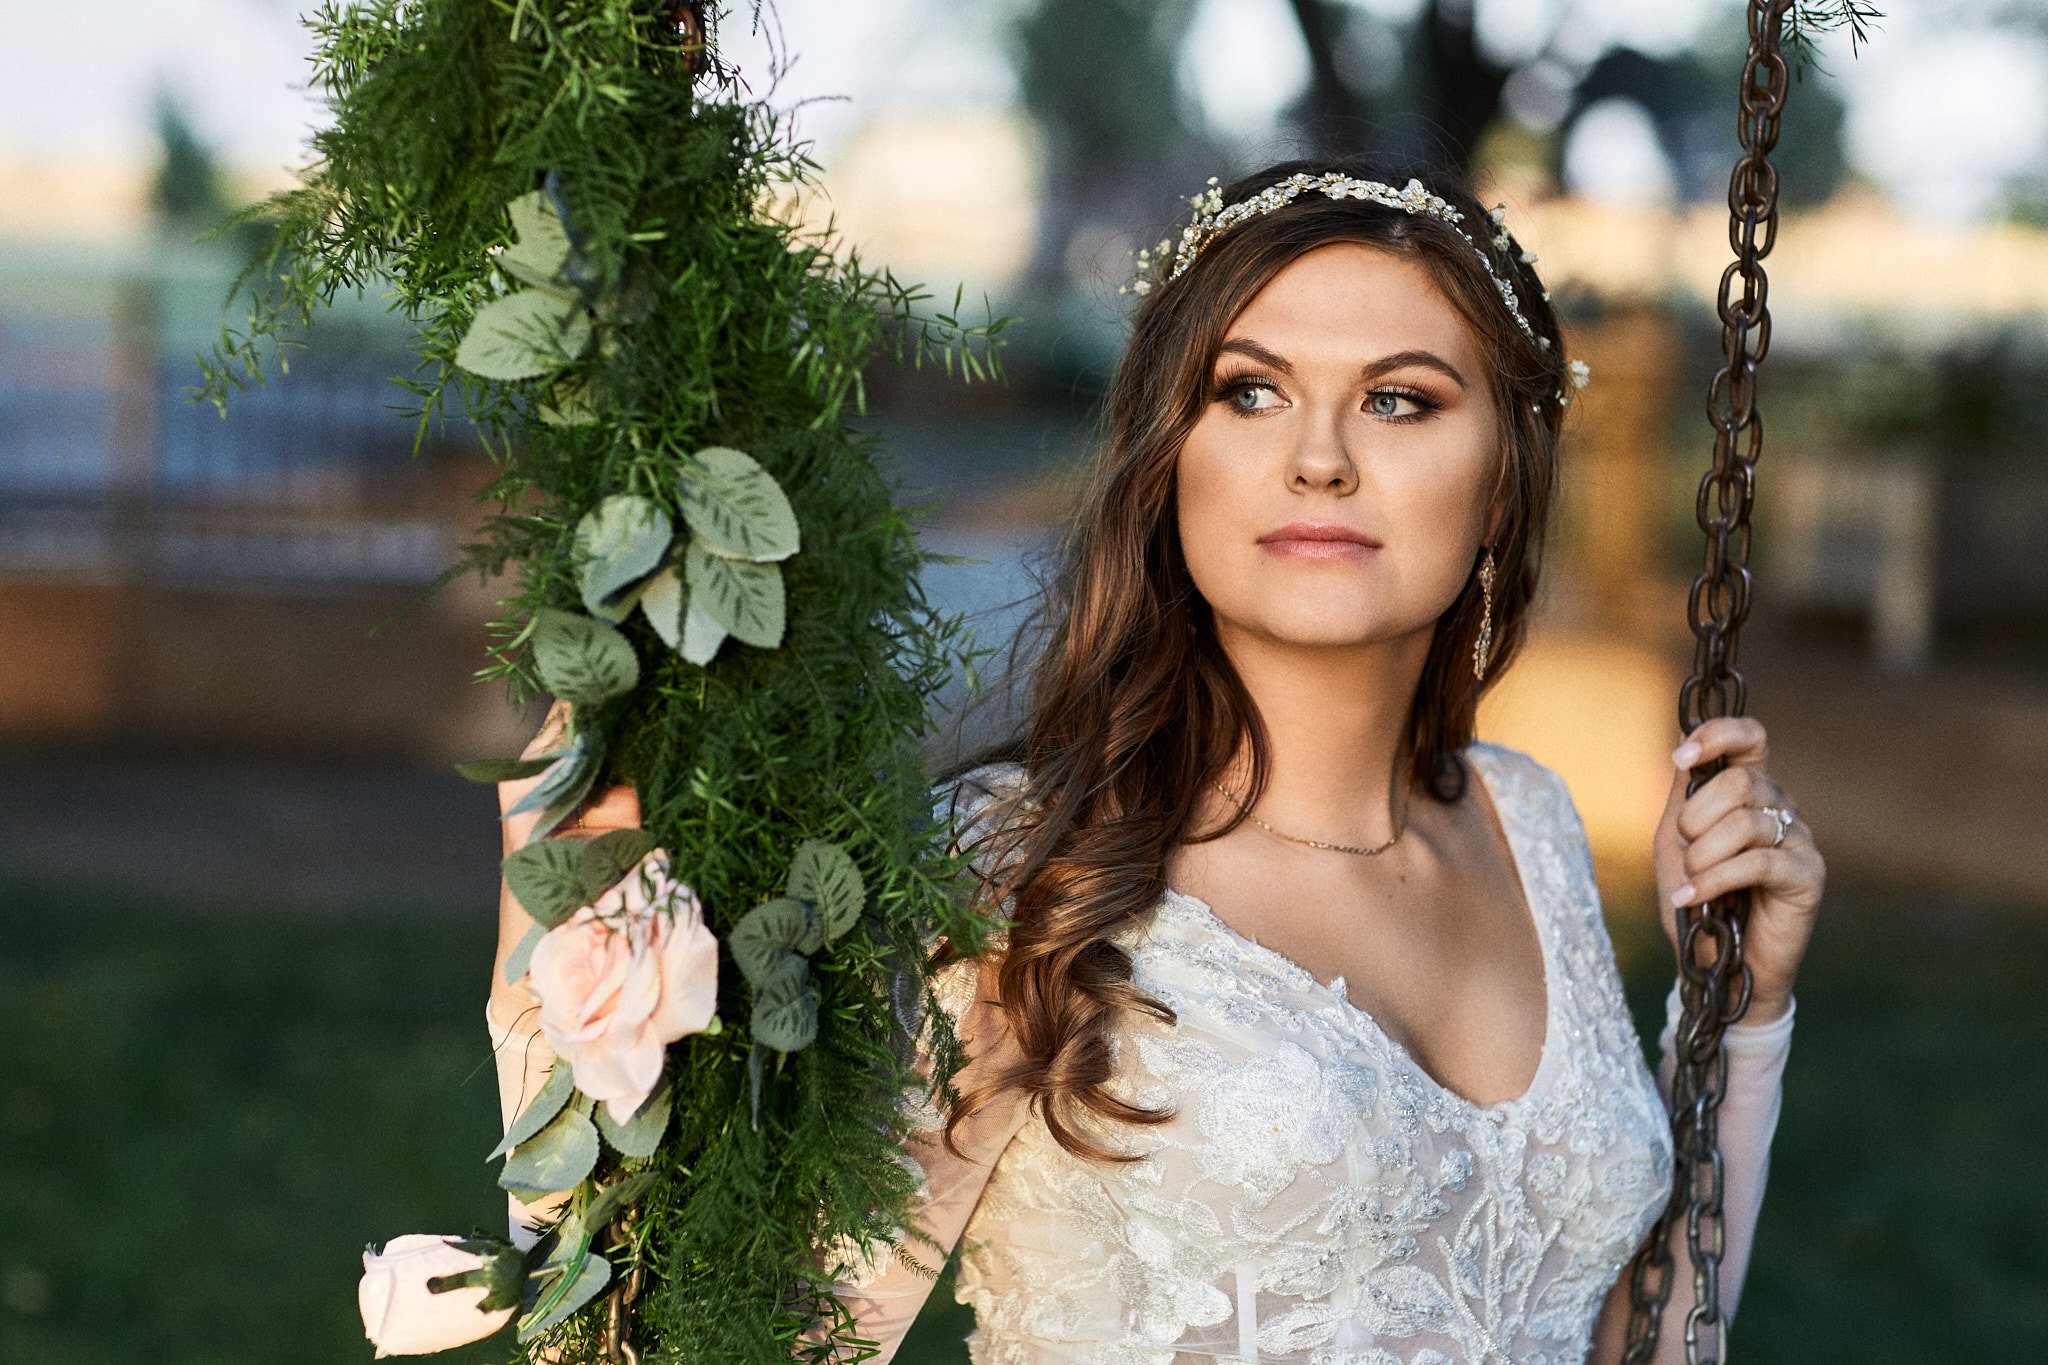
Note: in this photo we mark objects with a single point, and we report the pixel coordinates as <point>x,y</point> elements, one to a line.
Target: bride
<point>1305,1041</point>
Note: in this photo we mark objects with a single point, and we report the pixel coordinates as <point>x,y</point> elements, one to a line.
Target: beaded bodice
<point>1318,1197</point>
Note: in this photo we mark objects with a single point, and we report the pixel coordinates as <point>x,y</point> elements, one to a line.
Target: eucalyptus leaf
<point>580,756</point>
<point>701,636</point>
<point>619,542</point>
<point>640,1133</point>
<point>552,1099</point>
<point>553,1159</point>
<point>786,1014</point>
<point>582,660</point>
<point>570,798</point>
<point>523,335</point>
<point>546,877</point>
<point>770,928</point>
<point>521,957</point>
<point>730,501</point>
<point>743,597</point>
<point>662,600</point>
<point>826,876</point>
<point>506,769</point>
<point>576,1286</point>
<point>540,246</point>
<point>572,401</point>
<point>610,856</point>
<point>604,1206</point>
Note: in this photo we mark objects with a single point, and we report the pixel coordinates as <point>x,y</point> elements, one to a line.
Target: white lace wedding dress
<point>1318,1197</point>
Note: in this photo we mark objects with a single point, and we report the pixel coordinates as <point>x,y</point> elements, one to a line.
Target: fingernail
<point>1684,895</point>
<point>1686,754</point>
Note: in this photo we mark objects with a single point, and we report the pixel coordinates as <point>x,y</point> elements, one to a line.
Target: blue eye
<point>1387,396</point>
<point>1241,394</point>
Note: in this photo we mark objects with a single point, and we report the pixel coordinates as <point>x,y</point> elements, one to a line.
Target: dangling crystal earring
<point>1483,646</point>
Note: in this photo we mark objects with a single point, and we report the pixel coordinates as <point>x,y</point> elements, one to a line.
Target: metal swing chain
<point>1714,983</point>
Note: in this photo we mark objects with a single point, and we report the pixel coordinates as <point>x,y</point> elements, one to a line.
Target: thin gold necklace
<point>1399,829</point>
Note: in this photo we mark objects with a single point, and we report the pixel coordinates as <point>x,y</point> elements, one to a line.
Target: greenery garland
<point>569,200</point>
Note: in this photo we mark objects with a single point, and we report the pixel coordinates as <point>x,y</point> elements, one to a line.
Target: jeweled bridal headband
<point>1213,216</point>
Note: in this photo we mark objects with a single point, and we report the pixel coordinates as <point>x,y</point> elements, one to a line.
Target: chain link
<point>1714,984</point>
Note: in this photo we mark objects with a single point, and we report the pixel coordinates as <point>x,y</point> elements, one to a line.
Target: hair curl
<point>1134,707</point>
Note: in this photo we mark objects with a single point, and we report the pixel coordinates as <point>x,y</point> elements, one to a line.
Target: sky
<point>1944,107</point>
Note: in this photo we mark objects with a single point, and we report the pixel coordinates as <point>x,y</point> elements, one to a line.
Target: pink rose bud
<point>403,1317</point>
<point>624,977</point>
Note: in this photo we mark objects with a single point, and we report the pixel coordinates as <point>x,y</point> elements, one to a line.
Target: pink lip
<point>1318,540</point>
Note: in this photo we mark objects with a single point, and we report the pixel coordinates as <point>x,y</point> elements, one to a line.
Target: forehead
<point>1348,302</point>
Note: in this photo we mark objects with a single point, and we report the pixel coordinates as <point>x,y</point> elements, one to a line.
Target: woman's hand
<point>1723,838</point>
<point>615,808</point>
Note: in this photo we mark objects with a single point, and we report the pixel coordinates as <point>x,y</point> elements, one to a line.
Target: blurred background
<point>249,907</point>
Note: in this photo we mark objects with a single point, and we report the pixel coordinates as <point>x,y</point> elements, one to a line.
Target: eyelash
<point>1226,387</point>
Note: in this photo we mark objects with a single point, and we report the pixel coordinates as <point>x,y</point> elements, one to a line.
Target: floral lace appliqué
<point>1317,1197</point>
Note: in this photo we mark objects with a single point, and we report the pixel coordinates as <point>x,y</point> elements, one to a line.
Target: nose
<point>1321,461</point>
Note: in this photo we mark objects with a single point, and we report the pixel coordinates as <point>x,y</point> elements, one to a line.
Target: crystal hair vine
<point>1213,216</point>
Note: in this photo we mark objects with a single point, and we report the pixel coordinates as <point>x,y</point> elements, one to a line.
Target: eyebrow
<point>1245,346</point>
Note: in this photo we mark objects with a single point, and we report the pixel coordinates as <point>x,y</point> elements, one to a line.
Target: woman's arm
<point>1746,1120</point>
<point>1738,832</point>
<point>886,1295</point>
<point>512,1012</point>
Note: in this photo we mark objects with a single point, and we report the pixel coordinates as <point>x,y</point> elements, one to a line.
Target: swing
<point>1714,983</point>
<point>572,296</point>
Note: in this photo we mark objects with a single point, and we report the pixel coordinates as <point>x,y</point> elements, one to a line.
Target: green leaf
<point>770,928</point>
<point>572,402</point>
<point>521,956</point>
<point>619,542</point>
<point>582,660</point>
<point>640,1133</point>
<point>553,1096</point>
<point>736,506</point>
<point>701,636</point>
<point>546,877</point>
<point>662,600</point>
<point>506,769</point>
<point>743,598</point>
<point>540,246</point>
<point>576,1286</point>
<point>561,775</point>
<point>502,1276</point>
<point>615,1196</point>
<point>825,875</point>
<point>553,1159</point>
<point>610,856</point>
<point>522,335</point>
<point>786,1014</point>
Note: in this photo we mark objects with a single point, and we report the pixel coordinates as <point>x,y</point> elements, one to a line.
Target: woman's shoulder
<point>1521,782</point>
<point>977,797</point>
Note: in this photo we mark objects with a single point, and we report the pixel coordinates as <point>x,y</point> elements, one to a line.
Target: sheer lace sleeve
<point>1748,1118</point>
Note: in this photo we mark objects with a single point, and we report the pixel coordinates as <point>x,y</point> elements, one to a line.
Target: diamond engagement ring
<point>1783,819</point>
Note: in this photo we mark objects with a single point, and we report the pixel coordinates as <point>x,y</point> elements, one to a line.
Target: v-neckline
<point>1337,988</point>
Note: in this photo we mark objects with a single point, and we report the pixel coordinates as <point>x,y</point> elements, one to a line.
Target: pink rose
<point>624,977</point>
<point>403,1317</point>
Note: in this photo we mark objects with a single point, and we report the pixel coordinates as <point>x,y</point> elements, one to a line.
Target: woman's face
<point>1348,398</point>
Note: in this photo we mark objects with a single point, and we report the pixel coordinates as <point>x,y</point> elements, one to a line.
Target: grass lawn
<point>206,1114</point>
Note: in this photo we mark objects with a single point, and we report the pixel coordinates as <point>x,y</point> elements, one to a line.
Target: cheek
<point>1213,502</point>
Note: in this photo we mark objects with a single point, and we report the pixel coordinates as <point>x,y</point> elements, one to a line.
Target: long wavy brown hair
<point>1133,707</point>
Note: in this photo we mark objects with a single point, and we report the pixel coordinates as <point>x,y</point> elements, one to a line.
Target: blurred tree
<point>1123,146</point>
<point>187,192</point>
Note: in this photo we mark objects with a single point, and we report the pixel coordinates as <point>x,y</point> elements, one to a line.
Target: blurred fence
<point>108,474</point>
<point>168,574</point>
